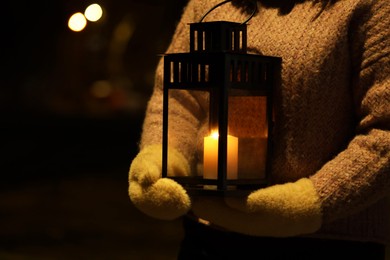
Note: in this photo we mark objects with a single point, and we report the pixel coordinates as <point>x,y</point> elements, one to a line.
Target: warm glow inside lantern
<point>232,150</point>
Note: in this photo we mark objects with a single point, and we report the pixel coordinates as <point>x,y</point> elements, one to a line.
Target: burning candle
<point>210,157</point>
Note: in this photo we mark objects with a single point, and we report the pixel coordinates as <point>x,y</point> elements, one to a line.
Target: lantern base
<point>233,192</point>
<point>197,186</point>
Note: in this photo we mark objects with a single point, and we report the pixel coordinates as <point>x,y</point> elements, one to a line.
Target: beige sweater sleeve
<point>360,174</point>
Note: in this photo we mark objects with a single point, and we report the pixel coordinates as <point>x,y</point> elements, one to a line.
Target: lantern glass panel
<point>189,100</point>
<point>246,140</point>
<point>247,121</point>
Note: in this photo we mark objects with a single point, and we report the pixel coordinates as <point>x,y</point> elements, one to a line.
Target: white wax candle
<point>210,157</point>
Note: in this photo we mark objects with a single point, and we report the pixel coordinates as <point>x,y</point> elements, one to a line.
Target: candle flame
<point>214,134</point>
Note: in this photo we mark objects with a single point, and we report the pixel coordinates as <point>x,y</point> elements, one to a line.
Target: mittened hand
<point>281,210</point>
<point>158,197</point>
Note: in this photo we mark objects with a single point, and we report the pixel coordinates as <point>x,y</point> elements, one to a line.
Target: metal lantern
<point>234,149</point>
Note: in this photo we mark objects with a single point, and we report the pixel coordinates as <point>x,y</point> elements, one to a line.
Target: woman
<point>330,166</point>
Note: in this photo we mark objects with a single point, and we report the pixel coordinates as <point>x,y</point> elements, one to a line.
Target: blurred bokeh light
<point>77,22</point>
<point>93,12</point>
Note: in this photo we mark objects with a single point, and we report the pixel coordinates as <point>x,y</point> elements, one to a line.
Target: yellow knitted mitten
<point>158,197</point>
<point>280,211</point>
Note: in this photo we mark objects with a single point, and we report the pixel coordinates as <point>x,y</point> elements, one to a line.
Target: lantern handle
<point>226,1</point>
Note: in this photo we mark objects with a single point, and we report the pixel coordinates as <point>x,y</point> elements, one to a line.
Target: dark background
<point>65,151</point>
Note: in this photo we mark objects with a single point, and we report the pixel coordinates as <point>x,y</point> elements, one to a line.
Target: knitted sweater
<point>332,110</point>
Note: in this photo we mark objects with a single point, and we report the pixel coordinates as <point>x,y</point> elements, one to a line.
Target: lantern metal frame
<point>218,63</point>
